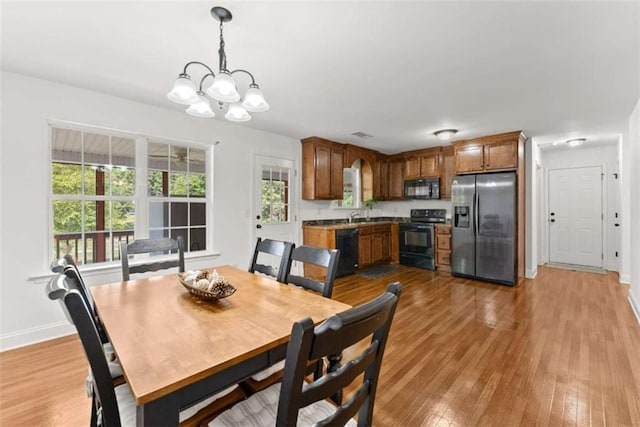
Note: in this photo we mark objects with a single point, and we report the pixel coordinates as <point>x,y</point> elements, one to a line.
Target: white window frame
<point>140,198</point>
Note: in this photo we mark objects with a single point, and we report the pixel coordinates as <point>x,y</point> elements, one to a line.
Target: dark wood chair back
<point>329,339</point>
<point>321,257</point>
<point>151,246</point>
<point>67,266</point>
<point>272,247</point>
<point>77,310</point>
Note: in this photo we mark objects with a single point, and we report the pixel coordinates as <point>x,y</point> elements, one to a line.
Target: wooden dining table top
<point>166,338</point>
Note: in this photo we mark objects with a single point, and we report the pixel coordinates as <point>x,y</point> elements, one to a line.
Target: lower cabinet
<point>443,247</point>
<point>364,249</point>
<point>374,244</point>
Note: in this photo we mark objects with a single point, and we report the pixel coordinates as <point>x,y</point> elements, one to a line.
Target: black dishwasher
<point>347,243</point>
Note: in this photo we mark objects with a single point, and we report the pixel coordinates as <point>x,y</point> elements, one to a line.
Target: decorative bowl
<point>205,285</point>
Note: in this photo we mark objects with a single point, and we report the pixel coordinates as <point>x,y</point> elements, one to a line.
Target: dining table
<point>177,349</point>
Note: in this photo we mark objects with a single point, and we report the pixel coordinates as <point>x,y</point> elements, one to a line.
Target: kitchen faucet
<point>352,216</point>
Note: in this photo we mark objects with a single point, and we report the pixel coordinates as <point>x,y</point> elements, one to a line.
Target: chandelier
<point>222,89</point>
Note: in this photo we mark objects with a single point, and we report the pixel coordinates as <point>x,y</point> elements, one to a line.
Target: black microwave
<point>422,189</point>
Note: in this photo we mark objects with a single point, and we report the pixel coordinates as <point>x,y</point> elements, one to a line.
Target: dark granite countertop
<point>342,222</point>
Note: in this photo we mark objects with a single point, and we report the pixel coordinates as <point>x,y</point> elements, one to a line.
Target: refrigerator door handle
<point>476,209</point>
<point>478,214</point>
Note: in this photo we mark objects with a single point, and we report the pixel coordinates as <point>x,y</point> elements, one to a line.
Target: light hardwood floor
<point>563,349</point>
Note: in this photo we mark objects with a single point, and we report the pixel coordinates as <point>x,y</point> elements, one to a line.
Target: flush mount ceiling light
<point>445,134</point>
<point>223,88</point>
<point>576,142</point>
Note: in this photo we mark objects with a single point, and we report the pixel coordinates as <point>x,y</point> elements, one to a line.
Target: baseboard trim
<point>635,304</point>
<point>35,335</point>
<point>531,273</point>
<point>625,278</point>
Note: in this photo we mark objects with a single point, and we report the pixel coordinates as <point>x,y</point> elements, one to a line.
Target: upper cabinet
<point>422,164</point>
<point>447,172</point>
<point>396,181</point>
<point>353,153</point>
<point>381,178</point>
<point>490,153</point>
<point>322,164</point>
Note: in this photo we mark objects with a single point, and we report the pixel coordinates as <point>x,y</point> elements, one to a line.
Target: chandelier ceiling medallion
<point>223,88</point>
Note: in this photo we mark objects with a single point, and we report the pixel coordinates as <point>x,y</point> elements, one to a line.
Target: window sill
<point>111,267</point>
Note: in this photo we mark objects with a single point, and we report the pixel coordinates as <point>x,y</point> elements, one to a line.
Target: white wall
<point>27,104</point>
<point>532,192</point>
<point>632,170</point>
<point>605,156</point>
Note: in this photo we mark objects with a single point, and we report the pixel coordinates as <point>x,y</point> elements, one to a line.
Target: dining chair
<point>296,402</point>
<point>325,259</point>
<point>56,290</point>
<point>275,248</point>
<point>151,246</point>
<point>115,406</point>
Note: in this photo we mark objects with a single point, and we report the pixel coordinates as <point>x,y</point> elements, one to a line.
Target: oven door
<point>417,239</point>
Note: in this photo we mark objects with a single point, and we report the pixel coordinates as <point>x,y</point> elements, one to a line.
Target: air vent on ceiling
<point>362,135</point>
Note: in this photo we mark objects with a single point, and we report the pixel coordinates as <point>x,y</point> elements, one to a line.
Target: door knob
<point>552,213</point>
<point>258,226</point>
<point>552,220</point>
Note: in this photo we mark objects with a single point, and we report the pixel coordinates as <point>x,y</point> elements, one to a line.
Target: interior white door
<point>575,216</point>
<point>273,202</point>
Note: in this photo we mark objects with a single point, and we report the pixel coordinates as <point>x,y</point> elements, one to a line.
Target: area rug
<point>377,271</point>
<point>574,267</point>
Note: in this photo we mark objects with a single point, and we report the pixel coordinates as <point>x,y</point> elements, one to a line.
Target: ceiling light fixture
<point>223,89</point>
<point>576,142</point>
<point>445,134</point>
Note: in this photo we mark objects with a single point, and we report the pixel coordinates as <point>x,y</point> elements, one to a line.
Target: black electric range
<point>417,238</point>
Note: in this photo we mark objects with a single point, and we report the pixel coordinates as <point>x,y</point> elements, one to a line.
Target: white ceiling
<point>395,70</point>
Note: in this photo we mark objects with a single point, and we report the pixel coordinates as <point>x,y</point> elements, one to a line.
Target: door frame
<point>603,204</point>
<point>294,196</point>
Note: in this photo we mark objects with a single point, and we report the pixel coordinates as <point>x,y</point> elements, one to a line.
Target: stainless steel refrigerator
<point>484,229</point>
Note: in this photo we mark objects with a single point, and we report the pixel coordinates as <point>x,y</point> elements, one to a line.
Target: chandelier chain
<point>221,52</point>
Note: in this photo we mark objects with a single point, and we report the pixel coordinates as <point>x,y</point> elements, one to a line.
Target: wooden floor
<point>563,349</point>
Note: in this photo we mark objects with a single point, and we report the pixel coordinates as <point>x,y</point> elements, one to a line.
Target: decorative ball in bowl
<point>206,285</point>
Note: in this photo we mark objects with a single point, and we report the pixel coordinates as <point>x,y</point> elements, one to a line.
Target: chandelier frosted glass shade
<point>201,108</point>
<point>183,91</point>
<point>254,100</point>
<point>237,113</point>
<point>223,88</point>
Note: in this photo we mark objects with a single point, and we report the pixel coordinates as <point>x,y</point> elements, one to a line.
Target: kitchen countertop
<point>358,222</point>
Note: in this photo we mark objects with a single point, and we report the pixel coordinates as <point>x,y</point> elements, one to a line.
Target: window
<point>176,186</point>
<point>94,193</point>
<point>275,194</point>
<point>351,188</point>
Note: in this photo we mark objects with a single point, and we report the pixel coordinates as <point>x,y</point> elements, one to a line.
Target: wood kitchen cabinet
<point>491,153</point>
<point>443,247</point>
<point>353,153</point>
<point>364,247</point>
<point>322,165</point>
<point>447,172</point>
<point>422,164</point>
<point>396,178</point>
<point>381,178</point>
<point>374,244</point>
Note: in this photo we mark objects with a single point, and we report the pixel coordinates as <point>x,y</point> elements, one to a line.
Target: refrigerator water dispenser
<point>461,217</point>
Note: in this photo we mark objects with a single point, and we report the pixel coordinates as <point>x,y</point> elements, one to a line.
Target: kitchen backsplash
<point>316,210</point>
